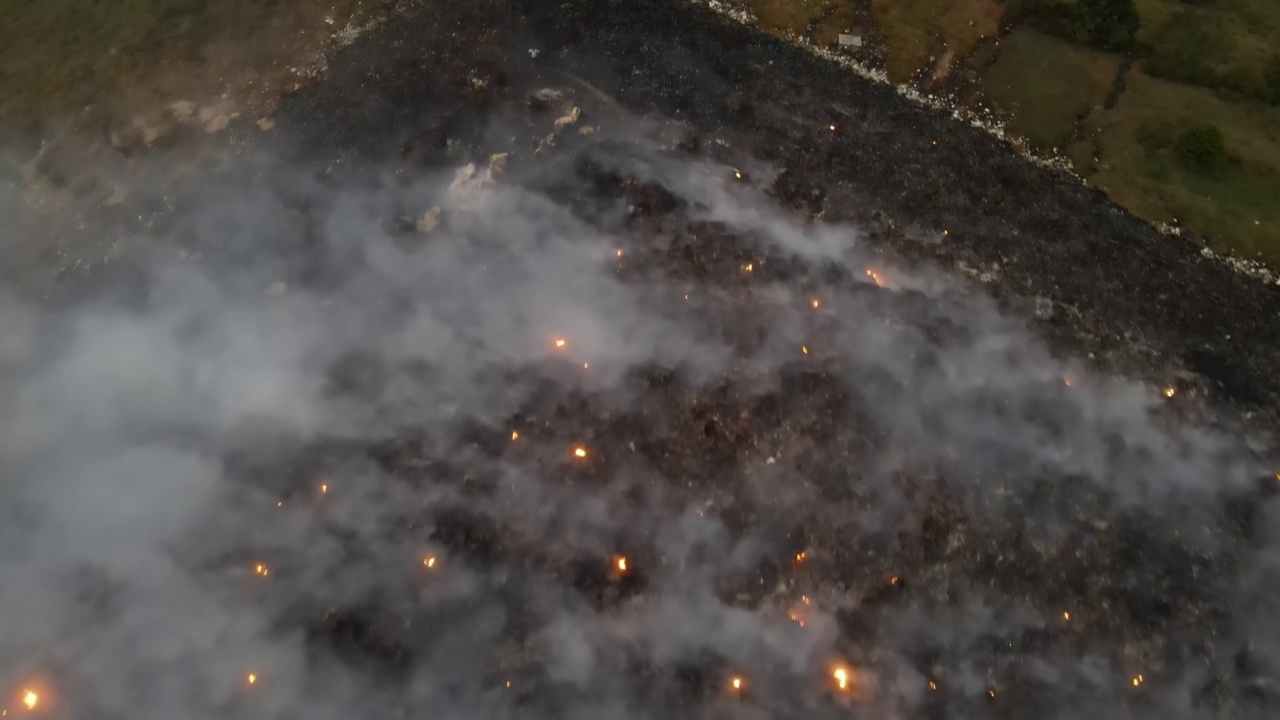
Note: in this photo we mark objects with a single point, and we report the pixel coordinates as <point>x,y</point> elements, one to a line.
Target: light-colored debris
<point>430,220</point>
<point>182,110</point>
<point>850,40</point>
<point>588,130</point>
<point>548,95</point>
<point>265,123</point>
<point>213,121</point>
<point>117,197</point>
<point>148,132</point>
<point>497,166</point>
<point>574,115</point>
<point>545,143</point>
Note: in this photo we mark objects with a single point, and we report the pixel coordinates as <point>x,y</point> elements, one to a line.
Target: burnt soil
<point>420,95</point>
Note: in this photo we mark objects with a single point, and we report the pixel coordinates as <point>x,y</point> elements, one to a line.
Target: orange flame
<point>429,561</point>
<point>737,683</point>
<point>261,570</point>
<point>560,343</point>
<point>580,452</point>
<point>620,561</point>
<point>30,699</point>
<point>251,678</point>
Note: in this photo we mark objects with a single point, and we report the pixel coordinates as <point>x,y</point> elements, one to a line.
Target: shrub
<point>1106,24</point>
<point>1271,81</point>
<point>1191,47</point>
<point>1201,148</point>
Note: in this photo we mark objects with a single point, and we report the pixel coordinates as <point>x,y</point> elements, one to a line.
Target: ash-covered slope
<point>475,392</point>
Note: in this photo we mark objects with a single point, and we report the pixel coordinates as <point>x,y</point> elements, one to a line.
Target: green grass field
<point>57,56</point>
<point>912,28</point>
<point>1238,208</point>
<point>1047,84</point>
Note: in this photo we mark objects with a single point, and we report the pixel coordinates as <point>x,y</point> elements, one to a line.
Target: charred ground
<point>824,484</point>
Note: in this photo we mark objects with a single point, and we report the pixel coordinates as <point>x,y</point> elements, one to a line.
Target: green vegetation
<point>914,29</point>
<point>57,56</point>
<point>1192,132</point>
<point>1141,143</point>
<point>1104,24</point>
<point>1202,149</point>
<point>1047,84</point>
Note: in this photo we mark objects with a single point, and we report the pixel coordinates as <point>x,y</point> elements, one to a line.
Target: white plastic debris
<point>533,53</point>
<point>430,221</point>
<point>850,40</point>
<point>574,115</point>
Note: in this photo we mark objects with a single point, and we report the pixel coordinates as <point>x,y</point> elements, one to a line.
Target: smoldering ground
<point>612,433</point>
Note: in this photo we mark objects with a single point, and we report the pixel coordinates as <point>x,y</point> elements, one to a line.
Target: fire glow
<point>261,570</point>
<point>580,453</point>
<point>843,677</point>
<point>620,562</point>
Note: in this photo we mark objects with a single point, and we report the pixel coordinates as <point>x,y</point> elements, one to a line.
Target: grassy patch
<point>1234,207</point>
<point>1048,84</point>
<point>911,28</point>
<point>57,56</point>
<point>1225,45</point>
<point>790,16</point>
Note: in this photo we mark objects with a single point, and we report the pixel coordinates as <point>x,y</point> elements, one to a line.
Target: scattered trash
<point>117,197</point>
<point>430,220</point>
<point>497,166</point>
<point>213,121</point>
<point>182,110</point>
<point>569,119</point>
<point>850,40</point>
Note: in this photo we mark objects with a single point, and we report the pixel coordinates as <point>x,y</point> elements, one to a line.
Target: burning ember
<point>251,678</point>
<point>30,699</point>
<point>1066,616</point>
<point>324,488</point>
<point>261,570</point>
<point>796,616</point>
<point>560,343</point>
<point>875,277</point>
<point>620,562</point>
<point>429,561</point>
<point>748,267</point>
<point>1170,392</point>
<point>801,556</point>
<point>843,677</point>
<point>736,683</point>
<point>515,434</point>
<point>1138,680</point>
<point>804,349</point>
<point>580,452</point>
<point>815,302</point>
